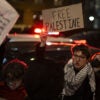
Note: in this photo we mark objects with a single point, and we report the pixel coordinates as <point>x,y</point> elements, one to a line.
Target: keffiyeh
<point>73,81</point>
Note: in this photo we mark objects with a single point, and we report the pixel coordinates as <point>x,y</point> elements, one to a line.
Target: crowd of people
<point>44,79</point>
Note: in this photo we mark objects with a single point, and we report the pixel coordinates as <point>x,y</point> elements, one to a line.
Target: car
<point>23,46</point>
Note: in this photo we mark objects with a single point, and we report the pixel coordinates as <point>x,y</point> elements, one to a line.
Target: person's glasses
<point>77,56</point>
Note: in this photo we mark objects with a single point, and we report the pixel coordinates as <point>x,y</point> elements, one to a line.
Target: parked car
<point>23,46</point>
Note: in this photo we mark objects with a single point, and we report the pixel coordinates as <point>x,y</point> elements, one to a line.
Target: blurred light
<point>58,49</point>
<point>42,30</point>
<point>91,18</point>
<point>32,59</point>
<point>53,33</point>
<point>36,36</point>
<point>59,43</point>
<point>37,30</point>
<point>34,16</point>
<point>70,40</point>
<point>14,49</point>
<point>4,60</point>
<point>48,43</point>
<point>80,41</point>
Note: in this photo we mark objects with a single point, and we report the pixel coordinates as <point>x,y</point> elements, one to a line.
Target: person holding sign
<point>44,78</point>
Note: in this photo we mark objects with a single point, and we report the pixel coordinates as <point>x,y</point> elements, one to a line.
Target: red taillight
<point>39,30</point>
<point>42,30</point>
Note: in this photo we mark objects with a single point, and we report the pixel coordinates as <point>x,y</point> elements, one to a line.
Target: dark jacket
<point>44,79</point>
<point>83,93</point>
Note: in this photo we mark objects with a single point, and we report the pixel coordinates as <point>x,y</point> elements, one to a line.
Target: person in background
<point>44,79</point>
<point>12,88</point>
<point>79,75</point>
<point>95,62</point>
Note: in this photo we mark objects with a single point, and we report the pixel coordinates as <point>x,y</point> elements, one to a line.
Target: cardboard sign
<point>63,18</point>
<point>8,17</point>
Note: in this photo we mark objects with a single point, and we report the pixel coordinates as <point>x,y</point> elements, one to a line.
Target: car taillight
<point>39,30</point>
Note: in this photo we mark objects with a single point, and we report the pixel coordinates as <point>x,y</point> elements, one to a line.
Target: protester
<point>95,61</point>
<point>44,78</point>
<point>12,88</point>
<point>79,75</point>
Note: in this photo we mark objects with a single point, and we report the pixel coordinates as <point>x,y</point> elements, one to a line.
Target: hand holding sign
<point>43,37</point>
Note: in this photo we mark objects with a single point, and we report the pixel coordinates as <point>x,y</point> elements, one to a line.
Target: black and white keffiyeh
<point>73,81</point>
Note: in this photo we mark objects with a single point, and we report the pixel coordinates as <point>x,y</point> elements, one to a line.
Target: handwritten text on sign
<point>8,17</point>
<point>63,18</point>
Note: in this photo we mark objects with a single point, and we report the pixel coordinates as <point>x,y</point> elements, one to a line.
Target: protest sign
<point>63,18</point>
<point>8,17</point>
